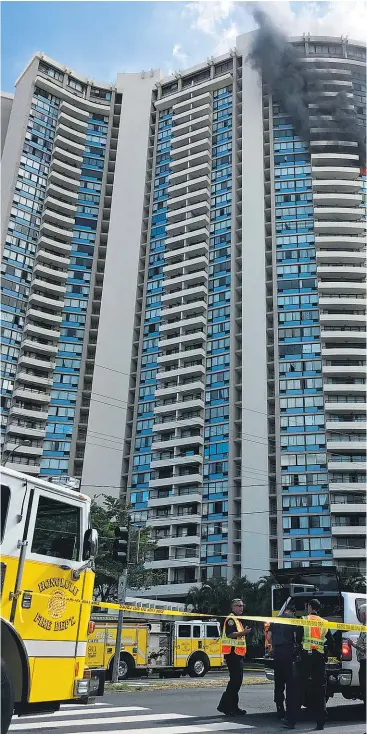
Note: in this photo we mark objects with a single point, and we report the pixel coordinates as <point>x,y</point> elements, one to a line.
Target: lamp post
<point>18,445</point>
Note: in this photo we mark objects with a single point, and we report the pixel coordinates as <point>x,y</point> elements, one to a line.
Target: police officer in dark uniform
<point>234,651</point>
<point>315,643</point>
<point>285,641</point>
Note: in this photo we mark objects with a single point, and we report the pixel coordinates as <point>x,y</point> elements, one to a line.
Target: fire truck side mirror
<point>90,544</point>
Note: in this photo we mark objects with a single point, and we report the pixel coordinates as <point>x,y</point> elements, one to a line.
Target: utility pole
<point>121,600</point>
<point>120,554</point>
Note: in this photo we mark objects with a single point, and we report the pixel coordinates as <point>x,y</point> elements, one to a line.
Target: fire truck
<point>47,580</point>
<point>171,648</point>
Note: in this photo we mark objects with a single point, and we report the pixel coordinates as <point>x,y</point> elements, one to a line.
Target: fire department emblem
<point>57,604</point>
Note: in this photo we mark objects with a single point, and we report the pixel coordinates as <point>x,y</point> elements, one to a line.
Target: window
<point>211,631</point>
<point>57,529</point>
<point>5,501</point>
<point>196,631</point>
<point>360,602</point>
<point>184,630</point>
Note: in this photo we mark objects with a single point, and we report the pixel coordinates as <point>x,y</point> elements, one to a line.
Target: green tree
<point>105,517</point>
<point>351,580</point>
<point>214,596</point>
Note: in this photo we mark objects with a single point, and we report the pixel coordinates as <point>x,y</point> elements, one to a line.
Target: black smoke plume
<point>296,85</point>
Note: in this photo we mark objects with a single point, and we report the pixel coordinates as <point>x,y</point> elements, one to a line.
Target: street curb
<point>176,685</point>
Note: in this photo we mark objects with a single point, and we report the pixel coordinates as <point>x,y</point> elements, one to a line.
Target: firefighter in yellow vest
<point>314,658</point>
<point>234,651</point>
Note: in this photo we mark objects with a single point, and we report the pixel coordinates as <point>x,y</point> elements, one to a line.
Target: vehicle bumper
<point>92,683</point>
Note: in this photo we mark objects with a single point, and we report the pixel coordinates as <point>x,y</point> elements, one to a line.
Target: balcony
<point>68,170</point>
<point>339,226</point>
<point>345,553</point>
<point>57,176</point>
<point>41,284</point>
<point>39,299</point>
<point>330,257</point>
<point>190,133</point>
<point>184,196</point>
<point>350,272</point>
<point>198,160</point>
<point>194,459</point>
<point>348,530</point>
<point>340,241</point>
<point>187,212</point>
<point>39,362</point>
<point>72,145</point>
<point>30,394</point>
<point>53,231</point>
<point>336,199</point>
<point>36,330</point>
<point>194,369</point>
<point>36,346</point>
<point>71,129</point>
<point>343,333</point>
<point>38,415</point>
<point>185,267</point>
<point>332,173</point>
<point>66,208</point>
<point>333,159</point>
<point>196,440</point>
<point>161,425</point>
<point>338,213</point>
<point>43,271</point>
<point>23,468</point>
<point>74,113</point>
<point>17,429</point>
<point>33,379</point>
<point>345,425</point>
<point>346,507</point>
<point>56,246</point>
<point>343,302</point>
<point>62,195</point>
<point>188,147</point>
<point>194,102</point>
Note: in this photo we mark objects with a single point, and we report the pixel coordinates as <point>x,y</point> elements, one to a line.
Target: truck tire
<point>126,666</point>
<point>7,699</point>
<point>198,666</point>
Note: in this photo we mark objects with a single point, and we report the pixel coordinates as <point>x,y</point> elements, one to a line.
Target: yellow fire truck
<point>171,648</point>
<point>47,548</point>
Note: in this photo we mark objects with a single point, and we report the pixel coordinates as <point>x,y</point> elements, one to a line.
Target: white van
<point>299,585</point>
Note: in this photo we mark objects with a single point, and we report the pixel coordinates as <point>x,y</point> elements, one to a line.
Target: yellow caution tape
<point>308,623</point>
<point>247,618</point>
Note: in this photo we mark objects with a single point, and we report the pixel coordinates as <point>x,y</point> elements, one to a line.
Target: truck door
<point>96,648</point>
<point>184,642</point>
<point>212,643</point>
<point>48,613</point>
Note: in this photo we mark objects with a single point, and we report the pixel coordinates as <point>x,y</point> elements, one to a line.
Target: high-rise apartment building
<point>190,276</point>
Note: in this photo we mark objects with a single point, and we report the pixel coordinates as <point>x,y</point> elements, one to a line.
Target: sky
<point>100,39</point>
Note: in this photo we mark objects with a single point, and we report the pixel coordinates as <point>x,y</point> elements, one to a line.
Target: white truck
<point>296,587</point>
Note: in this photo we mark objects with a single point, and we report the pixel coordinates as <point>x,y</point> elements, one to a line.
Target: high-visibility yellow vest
<point>228,643</point>
<point>314,637</point>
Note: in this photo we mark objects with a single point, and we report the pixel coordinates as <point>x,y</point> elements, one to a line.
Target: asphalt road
<point>185,711</point>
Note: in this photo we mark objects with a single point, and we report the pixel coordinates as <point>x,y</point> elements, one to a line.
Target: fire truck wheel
<point>126,667</point>
<point>7,699</point>
<point>198,666</point>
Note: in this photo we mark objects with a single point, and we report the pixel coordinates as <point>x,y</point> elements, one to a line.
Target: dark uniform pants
<point>286,680</point>
<point>313,667</point>
<point>229,701</point>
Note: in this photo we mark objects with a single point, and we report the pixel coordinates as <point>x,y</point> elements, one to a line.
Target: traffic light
<point>120,545</point>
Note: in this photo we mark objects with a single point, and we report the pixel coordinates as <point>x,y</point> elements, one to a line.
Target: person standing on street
<point>314,658</point>
<point>234,651</point>
<point>284,639</point>
<point>360,646</point>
